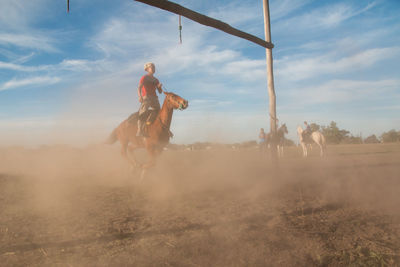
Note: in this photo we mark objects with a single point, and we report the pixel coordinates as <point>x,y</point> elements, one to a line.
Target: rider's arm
<point>139,90</point>
<point>159,87</point>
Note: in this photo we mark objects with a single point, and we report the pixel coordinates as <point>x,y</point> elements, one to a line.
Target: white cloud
<point>325,17</point>
<point>340,91</point>
<point>235,13</point>
<point>19,14</point>
<point>18,24</point>
<point>24,58</point>
<point>245,69</point>
<point>14,83</point>
<point>79,65</point>
<point>17,67</point>
<point>73,65</point>
<point>132,40</point>
<point>283,8</point>
<point>306,68</point>
<point>37,41</point>
<point>336,14</point>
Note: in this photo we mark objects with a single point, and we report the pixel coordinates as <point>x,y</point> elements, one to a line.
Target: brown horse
<point>278,139</point>
<point>280,135</point>
<point>158,133</point>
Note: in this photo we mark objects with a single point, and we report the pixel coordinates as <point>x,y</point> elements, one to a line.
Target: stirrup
<point>141,133</point>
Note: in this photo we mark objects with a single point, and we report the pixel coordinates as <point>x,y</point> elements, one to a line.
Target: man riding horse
<point>148,98</point>
<point>307,131</point>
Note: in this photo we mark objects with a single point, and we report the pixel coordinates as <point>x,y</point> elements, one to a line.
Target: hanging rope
<point>180,30</point>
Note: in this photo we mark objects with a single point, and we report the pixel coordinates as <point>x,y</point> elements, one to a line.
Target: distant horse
<point>158,133</point>
<point>316,137</point>
<point>279,140</point>
<point>280,135</point>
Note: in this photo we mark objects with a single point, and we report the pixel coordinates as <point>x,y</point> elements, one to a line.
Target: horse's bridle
<point>165,127</point>
<point>175,102</point>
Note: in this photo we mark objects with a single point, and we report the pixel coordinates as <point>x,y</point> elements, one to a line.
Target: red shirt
<point>148,85</point>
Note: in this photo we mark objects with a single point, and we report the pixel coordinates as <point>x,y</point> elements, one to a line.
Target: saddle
<point>147,118</point>
<point>307,137</point>
<point>133,118</point>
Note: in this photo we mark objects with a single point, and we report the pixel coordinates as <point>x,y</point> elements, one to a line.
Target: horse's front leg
<point>304,146</point>
<point>124,147</point>
<point>150,163</point>
<point>131,149</point>
<point>322,150</point>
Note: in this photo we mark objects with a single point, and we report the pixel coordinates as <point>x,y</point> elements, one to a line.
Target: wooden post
<point>202,19</point>
<point>270,74</point>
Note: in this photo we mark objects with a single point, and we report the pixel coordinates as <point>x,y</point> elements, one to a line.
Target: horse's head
<point>176,101</point>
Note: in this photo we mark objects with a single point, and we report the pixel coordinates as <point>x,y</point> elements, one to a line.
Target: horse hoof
<point>142,175</point>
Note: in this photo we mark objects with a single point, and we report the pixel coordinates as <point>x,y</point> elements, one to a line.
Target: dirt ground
<point>64,206</point>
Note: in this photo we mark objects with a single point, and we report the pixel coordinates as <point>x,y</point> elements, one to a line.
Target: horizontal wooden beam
<point>207,21</point>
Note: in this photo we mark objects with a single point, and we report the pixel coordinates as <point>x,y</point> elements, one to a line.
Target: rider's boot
<point>139,128</point>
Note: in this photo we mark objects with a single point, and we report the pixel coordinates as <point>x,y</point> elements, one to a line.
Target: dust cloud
<point>85,206</point>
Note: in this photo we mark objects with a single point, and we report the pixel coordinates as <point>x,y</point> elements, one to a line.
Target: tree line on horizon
<point>334,135</point>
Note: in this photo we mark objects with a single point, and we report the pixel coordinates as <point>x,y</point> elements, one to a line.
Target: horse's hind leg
<point>131,149</point>
<point>322,149</point>
<point>124,147</point>
<point>152,161</point>
<point>280,151</point>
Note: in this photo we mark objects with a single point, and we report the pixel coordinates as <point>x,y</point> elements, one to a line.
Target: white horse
<point>316,137</point>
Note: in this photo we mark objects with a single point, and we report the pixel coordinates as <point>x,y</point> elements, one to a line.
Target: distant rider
<point>147,96</point>
<point>261,136</point>
<point>307,131</point>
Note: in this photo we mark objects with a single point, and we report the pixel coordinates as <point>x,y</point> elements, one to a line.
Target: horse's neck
<point>279,132</point>
<point>299,130</point>
<point>165,114</point>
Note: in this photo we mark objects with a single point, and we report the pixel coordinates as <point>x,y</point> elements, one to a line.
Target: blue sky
<point>71,78</point>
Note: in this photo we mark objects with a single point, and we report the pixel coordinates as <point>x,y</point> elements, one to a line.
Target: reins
<point>165,127</point>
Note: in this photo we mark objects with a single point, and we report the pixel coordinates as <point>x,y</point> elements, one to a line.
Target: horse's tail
<point>112,138</point>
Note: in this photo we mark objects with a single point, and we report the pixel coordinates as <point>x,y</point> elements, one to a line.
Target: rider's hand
<point>140,99</point>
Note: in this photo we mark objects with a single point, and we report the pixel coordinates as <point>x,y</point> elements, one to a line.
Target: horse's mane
<point>299,129</point>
